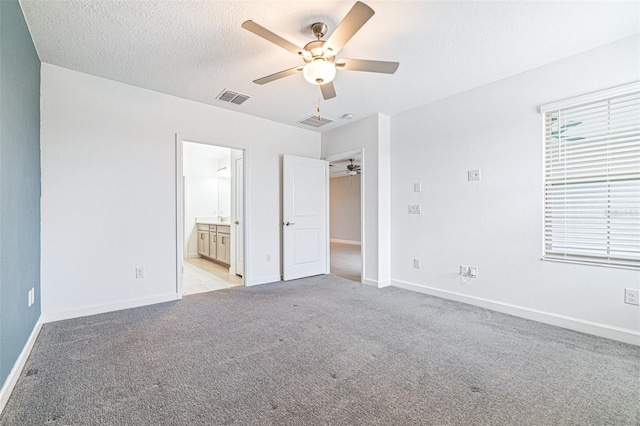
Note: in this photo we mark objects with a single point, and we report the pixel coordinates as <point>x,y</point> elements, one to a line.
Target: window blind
<point>592,181</point>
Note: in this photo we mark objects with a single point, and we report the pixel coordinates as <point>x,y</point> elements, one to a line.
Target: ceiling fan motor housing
<point>316,50</point>
<point>319,29</point>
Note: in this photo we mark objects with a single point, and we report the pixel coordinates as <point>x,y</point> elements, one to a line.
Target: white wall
<point>345,208</point>
<point>372,134</point>
<point>496,224</point>
<point>108,189</point>
<point>224,187</point>
<point>201,198</point>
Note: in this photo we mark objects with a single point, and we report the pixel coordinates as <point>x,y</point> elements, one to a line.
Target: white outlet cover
<point>473,175</point>
<point>139,272</point>
<point>417,263</point>
<point>415,209</point>
<point>632,296</point>
<point>417,187</point>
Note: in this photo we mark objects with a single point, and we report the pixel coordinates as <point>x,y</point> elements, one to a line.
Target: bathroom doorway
<point>212,226</point>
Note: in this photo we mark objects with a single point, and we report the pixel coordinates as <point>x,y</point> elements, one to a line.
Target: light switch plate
<point>417,187</point>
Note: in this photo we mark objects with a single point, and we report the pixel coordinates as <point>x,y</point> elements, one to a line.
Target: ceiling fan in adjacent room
<point>352,169</point>
<point>320,55</point>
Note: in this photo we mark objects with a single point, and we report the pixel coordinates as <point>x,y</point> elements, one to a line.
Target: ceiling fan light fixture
<point>319,71</point>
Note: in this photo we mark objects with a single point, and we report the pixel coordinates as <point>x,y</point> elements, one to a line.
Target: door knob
<point>289,223</point>
<point>237,222</point>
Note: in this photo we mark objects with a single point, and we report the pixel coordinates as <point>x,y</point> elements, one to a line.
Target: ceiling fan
<point>320,55</point>
<point>352,169</point>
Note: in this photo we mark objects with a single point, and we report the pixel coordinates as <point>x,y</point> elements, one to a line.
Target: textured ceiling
<point>195,49</point>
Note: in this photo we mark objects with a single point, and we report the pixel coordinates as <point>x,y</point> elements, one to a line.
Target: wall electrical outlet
<point>417,187</point>
<point>268,257</point>
<point>468,271</point>
<point>415,209</point>
<point>631,296</point>
<point>464,270</point>
<point>473,272</point>
<point>139,272</point>
<point>417,263</point>
<point>473,175</point>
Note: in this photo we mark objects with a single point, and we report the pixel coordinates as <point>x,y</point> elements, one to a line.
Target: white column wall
<point>373,134</point>
<point>362,134</point>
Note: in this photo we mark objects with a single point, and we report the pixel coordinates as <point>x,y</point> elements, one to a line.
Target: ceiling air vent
<point>314,122</point>
<point>233,97</point>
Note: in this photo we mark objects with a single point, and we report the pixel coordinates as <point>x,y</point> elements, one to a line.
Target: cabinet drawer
<point>224,229</point>
<point>202,227</point>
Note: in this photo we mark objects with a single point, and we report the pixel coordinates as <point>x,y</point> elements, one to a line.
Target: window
<point>592,178</point>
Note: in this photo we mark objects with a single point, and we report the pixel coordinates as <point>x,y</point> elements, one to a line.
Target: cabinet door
<point>203,243</point>
<point>213,245</point>
<point>224,248</point>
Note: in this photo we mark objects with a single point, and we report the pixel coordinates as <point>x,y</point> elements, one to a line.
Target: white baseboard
<point>100,309</point>
<point>355,243</point>
<point>589,327</point>
<point>192,255</point>
<point>383,284</point>
<point>15,372</point>
<point>264,280</point>
<point>372,283</point>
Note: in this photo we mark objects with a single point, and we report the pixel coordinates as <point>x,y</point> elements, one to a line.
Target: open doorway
<point>211,241</point>
<point>346,215</point>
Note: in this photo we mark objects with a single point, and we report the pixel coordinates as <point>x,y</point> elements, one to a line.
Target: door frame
<point>234,199</point>
<point>179,146</point>
<point>346,155</point>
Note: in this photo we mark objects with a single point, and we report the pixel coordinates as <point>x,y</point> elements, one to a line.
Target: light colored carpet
<point>322,350</point>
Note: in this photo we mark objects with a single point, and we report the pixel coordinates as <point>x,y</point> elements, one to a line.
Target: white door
<point>239,222</point>
<point>304,211</point>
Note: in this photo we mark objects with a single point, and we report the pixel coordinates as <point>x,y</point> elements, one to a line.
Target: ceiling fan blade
<point>359,14</point>
<point>368,66</point>
<point>328,90</point>
<point>277,75</point>
<point>272,37</point>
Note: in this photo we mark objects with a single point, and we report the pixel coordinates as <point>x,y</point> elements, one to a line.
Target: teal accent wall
<point>19,184</point>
